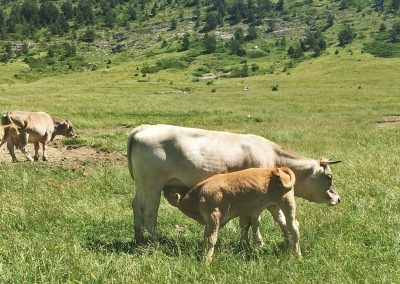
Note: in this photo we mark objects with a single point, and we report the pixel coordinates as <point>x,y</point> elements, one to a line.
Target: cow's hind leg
<point>138,216</point>
<point>23,142</point>
<point>146,203</point>
<point>36,157</point>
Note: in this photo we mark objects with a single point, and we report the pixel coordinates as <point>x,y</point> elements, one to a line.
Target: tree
<point>211,22</point>
<point>346,36</point>
<point>49,13</point>
<point>343,5</point>
<point>67,10</point>
<point>280,5</point>
<point>30,12</point>
<point>209,43</point>
<point>2,24</point>
<point>110,18</point>
<point>251,33</point>
<point>153,12</point>
<point>185,42</point>
<point>295,52</point>
<point>379,5</point>
<point>394,33</point>
<point>329,21</point>
<point>131,13</point>
<point>236,47</point>
<point>88,35</point>
<point>395,5</point>
<point>239,35</point>
<point>172,25</point>
<point>84,12</point>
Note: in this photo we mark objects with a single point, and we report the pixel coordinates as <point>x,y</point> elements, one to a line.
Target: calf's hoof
<point>45,159</point>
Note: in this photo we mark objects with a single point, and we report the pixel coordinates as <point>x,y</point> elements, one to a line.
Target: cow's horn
<point>329,162</point>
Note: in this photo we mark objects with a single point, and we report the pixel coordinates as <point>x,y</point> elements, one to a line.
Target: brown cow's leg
<point>44,145</point>
<point>211,233</point>
<point>244,222</point>
<point>23,142</point>
<point>10,147</point>
<point>255,226</point>
<point>36,157</point>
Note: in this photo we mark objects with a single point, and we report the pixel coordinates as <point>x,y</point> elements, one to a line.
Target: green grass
<point>60,225</point>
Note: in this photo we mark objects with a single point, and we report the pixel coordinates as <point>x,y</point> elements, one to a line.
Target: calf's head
<point>318,186</point>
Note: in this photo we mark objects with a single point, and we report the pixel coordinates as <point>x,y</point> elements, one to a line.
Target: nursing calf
<point>35,127</point>
<point>246,194</point>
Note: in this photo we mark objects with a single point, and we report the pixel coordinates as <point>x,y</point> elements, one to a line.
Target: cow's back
<point>36,124</point>
<point>186,156</point>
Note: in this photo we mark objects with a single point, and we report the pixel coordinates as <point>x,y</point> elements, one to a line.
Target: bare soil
<point>79,158</point>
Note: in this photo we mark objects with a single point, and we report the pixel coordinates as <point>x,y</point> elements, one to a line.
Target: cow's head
<point>318,185</point>
<point>66,129</point>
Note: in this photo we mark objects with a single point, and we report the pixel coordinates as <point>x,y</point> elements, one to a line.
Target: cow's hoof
<point>36,159</point>
<point>45,159</point>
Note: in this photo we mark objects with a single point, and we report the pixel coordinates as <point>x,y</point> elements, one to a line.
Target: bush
<point>346,36</point>
<point>256,53</point>
<point>382,49</point>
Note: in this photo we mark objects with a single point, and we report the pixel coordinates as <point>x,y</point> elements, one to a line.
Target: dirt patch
<point>391,120</point>
<point>83,158</point>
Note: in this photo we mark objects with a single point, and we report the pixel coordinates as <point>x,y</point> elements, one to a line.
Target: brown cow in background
<point>35,127</point>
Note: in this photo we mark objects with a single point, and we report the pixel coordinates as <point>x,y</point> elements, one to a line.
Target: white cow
<point>161,156</point>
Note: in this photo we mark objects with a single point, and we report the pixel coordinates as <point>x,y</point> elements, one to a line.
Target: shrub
<point>346,36</point>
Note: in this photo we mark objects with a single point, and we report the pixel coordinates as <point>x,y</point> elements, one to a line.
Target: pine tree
<point>67,10</point>
<point>209,43</point>
<point>211,22</point>
<point>185,42</point>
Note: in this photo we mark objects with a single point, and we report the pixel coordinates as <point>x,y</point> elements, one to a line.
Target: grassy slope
<point>61,226</point>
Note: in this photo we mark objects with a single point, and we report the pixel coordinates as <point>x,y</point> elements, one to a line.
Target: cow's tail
<point>283,173</point>
<point>131,141</point>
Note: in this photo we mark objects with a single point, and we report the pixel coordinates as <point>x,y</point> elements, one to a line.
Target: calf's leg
<point>10,147</point>
<point>244,222</point>
<point>211,233</point>
<point>138,216</point>
<point>255,226</point>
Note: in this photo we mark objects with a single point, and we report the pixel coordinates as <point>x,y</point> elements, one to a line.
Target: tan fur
<point>35,127</point>
<point>10,133</point>
<point>243,194</point>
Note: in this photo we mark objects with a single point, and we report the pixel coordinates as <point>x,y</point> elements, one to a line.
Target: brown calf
<point>10,133</point>
<point>245,194</point>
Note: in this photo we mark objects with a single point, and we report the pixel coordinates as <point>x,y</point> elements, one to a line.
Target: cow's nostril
<point>338,200</point>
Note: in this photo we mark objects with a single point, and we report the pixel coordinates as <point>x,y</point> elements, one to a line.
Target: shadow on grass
<point>176,247</point>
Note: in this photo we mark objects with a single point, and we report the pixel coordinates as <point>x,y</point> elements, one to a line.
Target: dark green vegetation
<point>65,224</point>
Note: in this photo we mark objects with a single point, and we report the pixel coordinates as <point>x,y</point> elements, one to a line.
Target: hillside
<point>218,38</point>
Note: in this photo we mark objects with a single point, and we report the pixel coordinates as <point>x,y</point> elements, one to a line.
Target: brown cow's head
<point>319,184</point>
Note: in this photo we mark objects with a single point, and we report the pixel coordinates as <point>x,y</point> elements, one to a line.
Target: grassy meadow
<point>60,225</point>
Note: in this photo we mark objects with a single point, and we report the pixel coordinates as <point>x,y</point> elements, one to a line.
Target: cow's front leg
<point>44,145</point>
<point>279,218</point>
<point>36,145</point>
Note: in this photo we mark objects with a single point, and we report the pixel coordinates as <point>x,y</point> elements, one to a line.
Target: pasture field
<point>70,221</point>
